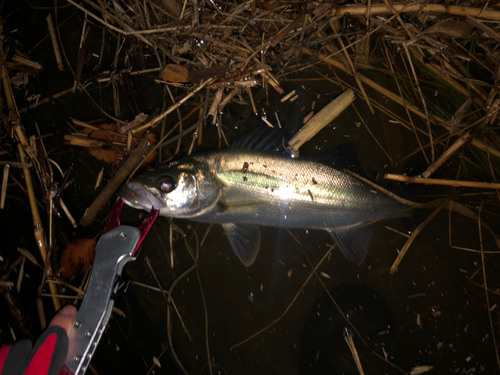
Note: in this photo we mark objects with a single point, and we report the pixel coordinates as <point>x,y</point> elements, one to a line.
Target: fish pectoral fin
<point>353,242</point>
<point>245,241</point>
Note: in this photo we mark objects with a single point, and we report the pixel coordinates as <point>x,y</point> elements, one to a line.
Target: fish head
<point>173,191</point>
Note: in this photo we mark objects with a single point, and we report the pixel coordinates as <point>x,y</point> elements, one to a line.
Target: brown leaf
<point>174,73</point>
<point>77,257</point>
<point>451,28</point>
<point>270,6</point>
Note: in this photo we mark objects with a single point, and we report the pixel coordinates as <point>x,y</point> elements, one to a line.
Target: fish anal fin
<point>245,241</point>
<point>353,242</point>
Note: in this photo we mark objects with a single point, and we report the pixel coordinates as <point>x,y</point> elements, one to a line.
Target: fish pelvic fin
<point>245,241</point>
<point>353,242</point>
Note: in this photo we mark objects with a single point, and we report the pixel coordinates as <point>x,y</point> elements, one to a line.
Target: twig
<point>5,181</point>
<point>53,38</point>
<point>389,94</point>
<point>15,164</point>
<point>299,292</point>
<point>161,116</point>
<point>454,10</point>
<point>354,71</point>
<point>118,30</point>
<point>414,235</point>
<point>424,104</point>
<point>209,359</point>
<point>120,176</point>
<point>435,181</point>
<point>485,285</point>
<point>350,343</point>
<point>168,298</point>
<point>37,223</point>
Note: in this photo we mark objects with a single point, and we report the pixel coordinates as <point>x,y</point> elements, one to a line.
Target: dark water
<point>432,312</point>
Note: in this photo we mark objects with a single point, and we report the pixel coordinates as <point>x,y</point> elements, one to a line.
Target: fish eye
<point>167,184</point>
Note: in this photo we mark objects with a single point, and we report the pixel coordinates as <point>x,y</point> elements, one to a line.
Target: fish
<point>244,188</point>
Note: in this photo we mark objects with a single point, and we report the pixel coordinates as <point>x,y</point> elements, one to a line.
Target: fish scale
<point>280,191</point>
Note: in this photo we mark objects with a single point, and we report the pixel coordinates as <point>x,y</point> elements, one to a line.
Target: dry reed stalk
<point>388,59</point>
<point>225,101</point>
<point>475,142</point>
<point>459,143</point>
<point>89,142</point>
<point>374,85</point>
<point>55,45</point>
<point>134,159</point>
<point>161,116</point>
<point>435,181</point>
<point>321,119</point>
<point>354,71</point>
<point>352,347</point>
<point>213,111</point>
<point>23,146</point>
<point>453,10</point>
<point>414,235</point>
<point>299,292</point>
<point>422,99</point>
<point>9,97</point>
<point>485,285</point>
<point>136,122</point>
<point>5,181</point>
<point>38,228</point>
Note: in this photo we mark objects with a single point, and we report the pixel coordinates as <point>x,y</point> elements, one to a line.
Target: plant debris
<point>135,82</point>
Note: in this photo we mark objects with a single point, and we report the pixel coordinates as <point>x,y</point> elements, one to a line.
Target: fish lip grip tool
<point>118,245</point>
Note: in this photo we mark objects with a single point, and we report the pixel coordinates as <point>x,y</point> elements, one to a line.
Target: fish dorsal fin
<point>353,242</point>
<point>264,139</point>
<point>245,241</point>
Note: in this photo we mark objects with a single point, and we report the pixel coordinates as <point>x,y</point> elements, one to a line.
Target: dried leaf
<point>107,156</point>
<point>115,152</point>
<point>174,73</point>
<point>451,28</point>
<point>77,257</point>
<point>270,6</point>
<point>459,114</point>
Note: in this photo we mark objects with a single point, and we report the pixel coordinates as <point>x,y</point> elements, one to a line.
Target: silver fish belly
<point>241,189</point>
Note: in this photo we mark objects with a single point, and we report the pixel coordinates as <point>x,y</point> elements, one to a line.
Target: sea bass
<point>242,189</point>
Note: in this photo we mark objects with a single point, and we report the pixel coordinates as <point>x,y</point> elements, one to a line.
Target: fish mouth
<point>137,196</point>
